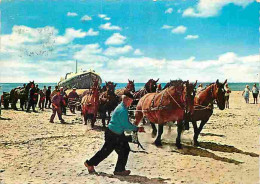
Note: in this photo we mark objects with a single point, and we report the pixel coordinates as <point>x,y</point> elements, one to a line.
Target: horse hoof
<point>179,146</point>
<point>196,144</point>
<point>158,143</point>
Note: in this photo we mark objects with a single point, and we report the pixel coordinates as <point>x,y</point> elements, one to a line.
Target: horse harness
<point>209,106</point>
<point>160,106</point>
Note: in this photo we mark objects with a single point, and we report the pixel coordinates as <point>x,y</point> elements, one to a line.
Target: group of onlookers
<point>255,92</point>
<point>245,93</point>
<point>33,97</point>
<point>56,99</point>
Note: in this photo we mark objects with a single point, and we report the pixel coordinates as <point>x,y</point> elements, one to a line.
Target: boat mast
<point>76,66</point>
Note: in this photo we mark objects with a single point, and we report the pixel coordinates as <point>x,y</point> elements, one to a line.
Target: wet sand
<point>32,150</point>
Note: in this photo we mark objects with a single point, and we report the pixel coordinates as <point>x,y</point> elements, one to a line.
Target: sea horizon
<point>235,86</point>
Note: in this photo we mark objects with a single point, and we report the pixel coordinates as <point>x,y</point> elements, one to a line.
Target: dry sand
<point>32,150</point>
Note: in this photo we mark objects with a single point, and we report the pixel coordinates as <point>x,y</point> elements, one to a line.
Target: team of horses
<point>177,101</point>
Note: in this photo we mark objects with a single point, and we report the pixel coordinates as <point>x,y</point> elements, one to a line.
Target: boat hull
<point>82,81</point>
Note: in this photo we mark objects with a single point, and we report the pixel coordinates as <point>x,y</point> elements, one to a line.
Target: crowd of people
<point>57,100</point>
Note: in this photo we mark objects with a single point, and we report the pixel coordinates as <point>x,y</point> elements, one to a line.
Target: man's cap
<point>74,88</point>
<point>61,87</point>
<point>128,94</point>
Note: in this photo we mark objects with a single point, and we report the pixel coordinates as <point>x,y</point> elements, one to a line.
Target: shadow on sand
<point>196,151</point>
<point>202,152</point>
<point>2,118</point>
<point>225,148</point>
<point>135,179</point>
<point>211,134</point>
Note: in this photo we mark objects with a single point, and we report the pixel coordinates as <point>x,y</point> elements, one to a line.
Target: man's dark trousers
<point>116,142</point>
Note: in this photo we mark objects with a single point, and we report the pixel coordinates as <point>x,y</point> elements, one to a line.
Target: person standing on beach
<point>227,93</point>
<point>31,99</point>
<point>56,107</point>
<point>115,138</point>
<point>200,87</point>
<point>65,97</point>
<point>255,92</point>
<point>44,90</point>
<point>246,94</point>
<point>36,94</point>
<point>48,98</point>
<point>56,90</point>
<point>42,100</point>
<point>72,98</point>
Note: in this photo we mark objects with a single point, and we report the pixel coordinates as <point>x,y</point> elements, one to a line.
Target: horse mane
<point>174,83</point>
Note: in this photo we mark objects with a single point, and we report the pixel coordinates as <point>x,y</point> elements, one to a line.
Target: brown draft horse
<point>129,87</point>
<point>90,103</point>
<point>203,106</point>
<point>171,104</point>
<point>149,87</point>
<point>20,93</point>
<point>108,101</point>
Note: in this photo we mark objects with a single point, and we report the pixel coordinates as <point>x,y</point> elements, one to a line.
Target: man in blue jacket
<point>115,138</point>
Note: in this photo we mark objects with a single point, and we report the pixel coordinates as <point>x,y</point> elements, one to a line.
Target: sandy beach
<point>32,150</point>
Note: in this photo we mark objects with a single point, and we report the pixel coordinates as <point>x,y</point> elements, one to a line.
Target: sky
<point>202,40</point>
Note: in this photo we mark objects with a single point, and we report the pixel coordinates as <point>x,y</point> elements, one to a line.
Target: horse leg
<point>179,131</point>
<point>92,120</point>
<point>85,119</point>
<point>21,104</point>
<point>195,137</point>
<point>154,132</point>
<point>138,117</point>
<point>109,112</point>
<point>103,117</point>
<point>144,122</point>
<point>14,104</point>
<point>202,123</point>
<point>158,139</point>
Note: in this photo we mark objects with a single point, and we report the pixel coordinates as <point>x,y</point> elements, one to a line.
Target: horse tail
<point>12,95</point>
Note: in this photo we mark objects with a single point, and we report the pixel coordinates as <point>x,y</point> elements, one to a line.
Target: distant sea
<point>6,87</point>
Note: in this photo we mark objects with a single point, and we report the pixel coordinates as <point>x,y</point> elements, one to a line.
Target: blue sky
<point>200,40</point>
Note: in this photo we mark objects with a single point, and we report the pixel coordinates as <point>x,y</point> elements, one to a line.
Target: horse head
<point>110,86</point>
<point>28,86</point>
<point>190,92</point>
<point>151,86</point>
<point>218,93</point>
<point>130,86</point>
<point>95,87</point>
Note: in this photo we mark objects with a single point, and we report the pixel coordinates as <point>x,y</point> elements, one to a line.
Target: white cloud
<point>191,37</point>
<point>169,11</point>
<point>72,14</point>
<point>138,52</point>
<point>179,11</point>
<point>103,16</point>
<point>116,39</point>
<point>210,8</point>
<point>166,27</point>
<point>179,30</point>
<point>86,18</point>
<point>91,32</point>
<point>70,35</point>
<point>28,41</point>
<point>114,51</point>
<point>108,26</point>
<point>90,53</point>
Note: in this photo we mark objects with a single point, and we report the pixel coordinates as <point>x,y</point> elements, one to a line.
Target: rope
<point>203,107</point>
<point>173,99</point>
